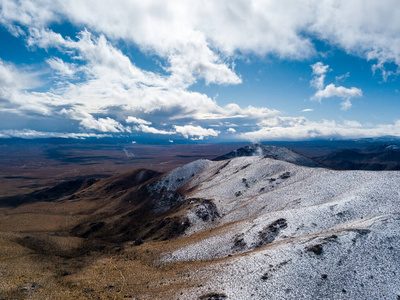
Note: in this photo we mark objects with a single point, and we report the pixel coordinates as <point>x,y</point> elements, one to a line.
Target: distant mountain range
<point>377,157</point>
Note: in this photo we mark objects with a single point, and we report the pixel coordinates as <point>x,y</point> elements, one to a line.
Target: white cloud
<point>196,132</point>
<point>342,77</point>
<point>346,104</point>
<point>62,68</point>
<point>319,69</point>
<point>307,110</point>
<point>339,91</point>
<point>231,130</point>
<point>197,38</point>
<point>324,129</point>
<point>135,120</point>
<point>103,125</point>
<point>30,134</point>
<point>351,123</point>
<point>112,80</point>
<point>283,122</point>
<point>15,84</point>
<point>148,129</point>
<point>319,72</point>
<point>13,79</point>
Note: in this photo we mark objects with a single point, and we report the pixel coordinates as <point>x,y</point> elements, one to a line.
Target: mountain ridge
<point>252,226</point>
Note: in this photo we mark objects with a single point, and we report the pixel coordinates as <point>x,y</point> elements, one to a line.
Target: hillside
<point>257,223</point>
<point>378,158</point>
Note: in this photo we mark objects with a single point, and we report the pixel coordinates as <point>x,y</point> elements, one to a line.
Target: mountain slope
<point>305,232</point>
<point>267,228</point>
<point>275,152</point>
<point>251,224</point>
<point>382,157</point>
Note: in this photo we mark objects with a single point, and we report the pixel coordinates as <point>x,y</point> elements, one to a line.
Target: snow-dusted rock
<point>271,229</point>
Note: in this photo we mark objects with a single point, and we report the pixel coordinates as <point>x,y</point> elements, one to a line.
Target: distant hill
<point>269,151</point>
<point>377,157</point>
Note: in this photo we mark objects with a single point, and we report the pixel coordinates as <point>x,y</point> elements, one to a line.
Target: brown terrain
<point>55,201</point>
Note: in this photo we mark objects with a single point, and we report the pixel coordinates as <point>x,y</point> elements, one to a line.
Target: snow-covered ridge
<point>286,231</point>
<point>275,152</point>
<point>179,176</point>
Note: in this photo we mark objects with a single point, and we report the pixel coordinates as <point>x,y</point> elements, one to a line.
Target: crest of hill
<point>378,157</point>
<point>269,151</point>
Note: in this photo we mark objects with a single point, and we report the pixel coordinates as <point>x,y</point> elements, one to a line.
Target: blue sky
<point>204,70</point>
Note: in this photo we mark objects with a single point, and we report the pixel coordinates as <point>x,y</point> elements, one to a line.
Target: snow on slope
<point>348,264</point>
<point>179,176</point>
<point>275,152</point>
<point>311,201</point>
<point>286,231</point>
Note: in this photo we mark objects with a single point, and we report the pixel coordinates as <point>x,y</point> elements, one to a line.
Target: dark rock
<point>65,273</point>
<point>363,231</point>
<point>138,242</point>
<point>214,296</point>
<point>269,233</point>
<point>239,243</point>
<point>285,175</point>
<point>238,193</point>
<point>206,210</point>
<point>244,167</point>
<point>94,227</point>
<point>316,249</point>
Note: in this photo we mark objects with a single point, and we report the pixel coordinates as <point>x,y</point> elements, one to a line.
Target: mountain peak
<point>270,151</point>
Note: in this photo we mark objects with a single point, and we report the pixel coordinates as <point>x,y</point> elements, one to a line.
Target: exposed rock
<point>206,210</point>
<point>214,296</point>
<point>316,249</point>
<point>269,233</point>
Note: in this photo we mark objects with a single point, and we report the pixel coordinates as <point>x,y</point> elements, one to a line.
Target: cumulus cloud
<point>148,129</point>
<point>325,129</point>
<point>30,134</point>
<point>331,90</point>
<point>62,68</point>
<point>103,125</point>
<point>111,80</point>
<point>197,38</point>
<point>135,120</point>
<point>195,41</point>
<point>339,91</point>
<point>231,130</point>
<point>195,132</point>
<point>319,72</point>
<point>283,122</point>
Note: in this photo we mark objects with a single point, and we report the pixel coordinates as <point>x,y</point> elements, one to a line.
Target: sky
<point>212,71</point>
